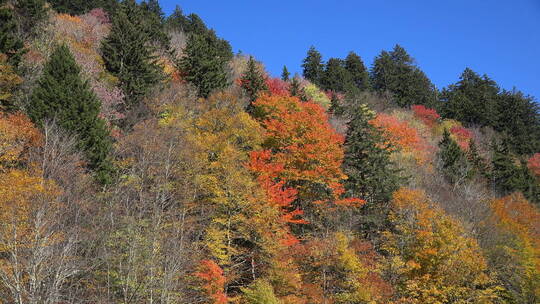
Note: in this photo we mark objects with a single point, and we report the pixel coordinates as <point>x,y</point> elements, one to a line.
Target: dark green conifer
<point>295,89</point>
<point>313,67</point>
<point>396,73</point>
<point>204,63</point>
<point>358,71</point>
<point>128,53</point>
<point>336,77</point>
<point>11,43</point>
<point>505,174</point>
<point>453,161</point>
<point>65,98</point>
<point>285,74</point>
<point>30,15</point>
<point>478,164</point>
<point>253,82</point>
<point>79,7</point>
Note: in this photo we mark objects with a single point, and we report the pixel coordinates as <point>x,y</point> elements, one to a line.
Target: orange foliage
<point>301,147</point>
<point>534,164</point>
<point>428,116</point>
<point>17,135</point>
<point>213,281</point>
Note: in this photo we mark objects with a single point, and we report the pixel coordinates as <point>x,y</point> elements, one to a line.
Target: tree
<point>505,175</point>
<point>204,64</point>
<point>64,97</point>
<point>336,77</point>
<point>285,74</point>
<point>436,260</point>
<point>11,43</point>
<point>128,55</point>
<point>213,282</point>
<point>479,166</point>
<point>472,100</point>
<point>395,72</point>
<point>358,71</point>
<point>260,292</point>
<point>453,160</point>
<point>371,174</point>
<point>79,7</point>
<point>313,67</point>
<point>252,81</point>
<point>9,81</point>
<point>30,14</point>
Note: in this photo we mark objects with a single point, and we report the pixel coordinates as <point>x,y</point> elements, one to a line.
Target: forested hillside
<point>142,161</point>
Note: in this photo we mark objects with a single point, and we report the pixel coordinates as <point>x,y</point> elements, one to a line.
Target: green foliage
<point>128,55</point>
<point>472,100</point>
<point>79,7</point>
<point>358,71</point>
<point>477,163</point>
<point>285,74</point>
<point>336,77</point>
<point>64,97</point>
<point>453,160</point>
<point>11,43</point>
<point>260,292</point>
<point>505,174</point>
<point>30,14</point>
<point>204,63</point>
<point>313,67</point>
<point>252,81</point>
<point>395,72</point>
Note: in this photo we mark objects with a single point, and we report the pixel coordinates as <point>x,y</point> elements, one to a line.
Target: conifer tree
<point>396,73</point>
<point>372,175</point>
<point>472,100</point>
<point>313,66</point>
<point>79,7</point>
<point>478,164</point>
<point>505,174</point>
<point>285,75</point>
<point>336,77</point>
<point>11,43</point>
<point>128,55</point>
<point>30,14</point>
<point>252,81</point>
<point>453,160</point>
<point>204,63</point>
<point>64,97</point>
<point>295,89</point>
<point>358,71</point>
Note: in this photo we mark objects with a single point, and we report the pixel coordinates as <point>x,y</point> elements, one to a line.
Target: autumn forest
<point>142,161</point>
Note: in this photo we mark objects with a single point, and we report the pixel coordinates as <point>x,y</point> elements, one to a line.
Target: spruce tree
<point>30,14</point>
<point>505,174</point>
<point>478,164</point>
<point>79,7</point>
<point>313,67</point>
<point>396,73</point>
<point>472,100</point>
<point>285,75</point>
<point>204,64</point>
<point>453,160</point>
<point>296,90</point>
<point>253,82</point>
<point>128,54</point>
<point>336,77</point>
<point>64,97</point>
<point>358,71</point>
<point>11,43</point>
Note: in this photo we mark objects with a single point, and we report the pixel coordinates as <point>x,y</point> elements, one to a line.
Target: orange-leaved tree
<point>212,282</point>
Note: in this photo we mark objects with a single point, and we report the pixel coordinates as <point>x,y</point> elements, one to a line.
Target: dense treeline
<point>142,161</point>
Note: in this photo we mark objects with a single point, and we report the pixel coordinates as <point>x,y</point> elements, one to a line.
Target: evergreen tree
<point>285,74</point>
<point>295,89</point>
<point>252,81</point>
<point>153,7</point>
<point>519,120</point>
<point>204,64</point>
<point>79,7</point>
<point>358,71</point>
<point>30,14</point>
<point>313,66</point>
<point>472,100</point>
<point>396,73</point>
<point>505,174</point>
<point>478,164</point>
<point>11,43</point>
<point>63,96</point>
<point>453,160</point>
<point>336,77</point>
<point>372,175</point>
<point>529,184</point>
<point>128,54</point>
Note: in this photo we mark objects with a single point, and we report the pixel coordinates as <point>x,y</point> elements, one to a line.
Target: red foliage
<point>463,136</point>
<point>213,281</point>
<point>277,86</point>
<point>100,14</point>
<point>534,164</point>
<point>428,116</point>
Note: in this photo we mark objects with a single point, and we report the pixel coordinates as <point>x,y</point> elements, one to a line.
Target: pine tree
<point>285,74</point>
<point>358,71</point>
<point>64,97</point>
<point>472,100</point>
<point>396,73</point>
<point>253,82</point>
<point>453,160</point>
<point>478,164</point>
<point>128,55</point>
<point>154,7</point>
<point>30,14</point>
<point>79,7</point>
<point>313,66</point>
<point>295,89</point>
<point>10,42</point>
<point>336,77</point>
<point>204,64</point>
<point>505,175</point>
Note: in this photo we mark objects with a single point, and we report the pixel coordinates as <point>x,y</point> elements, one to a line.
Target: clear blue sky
<point>498,37</point>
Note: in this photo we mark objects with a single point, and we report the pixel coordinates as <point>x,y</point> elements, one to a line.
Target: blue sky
<point>500,38</point>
